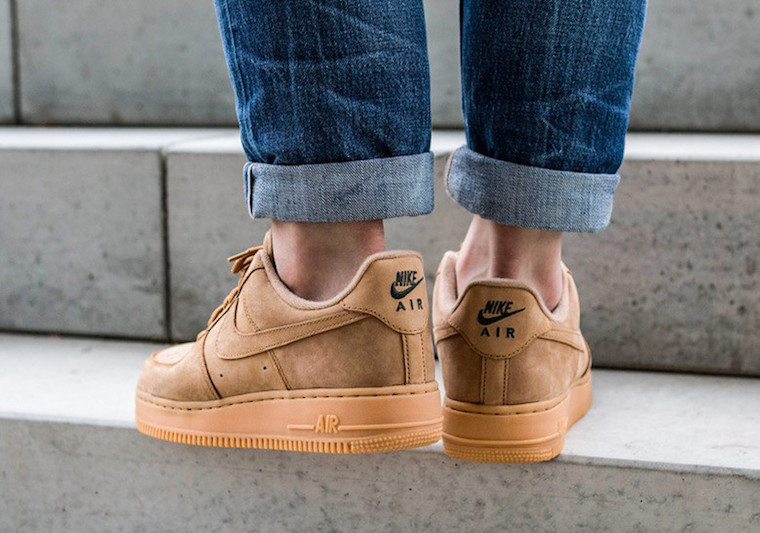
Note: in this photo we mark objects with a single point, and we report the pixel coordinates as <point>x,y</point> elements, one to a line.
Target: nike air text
<point>497,310</point>
<point>327,424</point>
<point>408,280</point>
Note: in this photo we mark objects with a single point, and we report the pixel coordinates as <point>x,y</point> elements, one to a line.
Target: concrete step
<point>656,452</point>
<point>161,63</point>
<point>7,83</point>
<point>124,233</point>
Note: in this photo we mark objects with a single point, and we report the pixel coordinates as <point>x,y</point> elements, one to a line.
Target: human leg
<point>324,345</point>
<point>546,96</point>
<point>333,104</point>
<point>546,92</point>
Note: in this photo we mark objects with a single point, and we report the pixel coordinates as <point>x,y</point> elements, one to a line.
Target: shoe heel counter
<point>394,290</point>
<point>461,368</point>
<point>492,325</point>
<point>419,360</point>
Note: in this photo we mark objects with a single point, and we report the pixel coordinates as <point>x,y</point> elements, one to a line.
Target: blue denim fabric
<point>366,189</point>
<point>328,82</point>
<point>546,89</point>
<point>333,103</point>
<point>528,196</point>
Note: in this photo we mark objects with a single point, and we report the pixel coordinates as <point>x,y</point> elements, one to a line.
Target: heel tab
<point>392,288</point>
<point>499,318</point>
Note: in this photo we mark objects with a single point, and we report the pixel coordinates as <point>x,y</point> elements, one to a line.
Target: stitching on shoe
<point>208,381</point>
<point>350,319</point>
<point>504,383</point>
<point>484,373</point>
<point>289,326</point>
<point>424,359</point>
<point>153,402</point>
<point>405,347</point>
<point>504,414</point>
<point>280,371</point>
<point>345,322</point>
<point>381,318</point>
<point>251,321</point>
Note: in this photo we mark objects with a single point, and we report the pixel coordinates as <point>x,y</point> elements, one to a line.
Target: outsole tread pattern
<point>480,455</point>
<point>379,444</point>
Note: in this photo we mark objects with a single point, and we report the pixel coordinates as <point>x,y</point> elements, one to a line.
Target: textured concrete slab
<point>675,274</point>
<point>72,460</point>
<point>442,19</point>
<point>207,222</point>
<point>162,63</point>
<point>58,378</point>
<point>94,139</point>
<point>81,231</point>
<point>151,63</point>
<point>7,97</point>
<point>682,239</point>
<point>698,67</point>
<point>673,283</point>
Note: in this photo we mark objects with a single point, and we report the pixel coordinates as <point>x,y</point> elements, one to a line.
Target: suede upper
<point>264,338</point>
<point>500,345</point>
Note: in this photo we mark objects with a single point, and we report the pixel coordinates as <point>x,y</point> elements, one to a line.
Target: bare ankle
<point>317,260</point>
<point>492,250</point>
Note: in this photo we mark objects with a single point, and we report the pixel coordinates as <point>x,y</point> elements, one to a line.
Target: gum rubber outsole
<point>528,433</point>
<point>323,421</point>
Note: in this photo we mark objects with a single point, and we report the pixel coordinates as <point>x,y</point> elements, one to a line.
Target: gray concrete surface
<point>7,98</point>
<point>672,284</point>
<point>698,68</point>
<point>661,452</point>
<point>162,63</point>
<point>207,222</point>
<point>442,19</point>
<point>152,63</point>
<point>81,230</point>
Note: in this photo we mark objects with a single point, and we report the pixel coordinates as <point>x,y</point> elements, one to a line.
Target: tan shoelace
<point>240,263</point>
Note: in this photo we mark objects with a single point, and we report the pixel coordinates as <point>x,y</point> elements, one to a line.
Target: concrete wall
<point>142,62</point>
<point>6,64</point>
<point>672,284</point>
<point>699,67</point>
<point>152,63</point>
<point>81,231</point>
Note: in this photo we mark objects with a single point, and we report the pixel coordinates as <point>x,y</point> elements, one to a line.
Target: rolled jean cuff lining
<point>369,189</point>
<point>530,197</point>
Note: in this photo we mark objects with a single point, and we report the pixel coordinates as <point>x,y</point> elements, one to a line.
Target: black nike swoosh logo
<point>398,295</point>
<point>491,319</point>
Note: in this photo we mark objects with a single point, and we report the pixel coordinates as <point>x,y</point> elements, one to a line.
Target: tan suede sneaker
<point>353,374</point>
<point>516,375</point>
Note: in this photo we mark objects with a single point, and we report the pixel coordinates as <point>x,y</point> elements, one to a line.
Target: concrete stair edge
<point>74,466</point>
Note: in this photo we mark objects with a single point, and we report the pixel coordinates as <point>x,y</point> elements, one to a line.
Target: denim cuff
<point>369,189</point>
<point>530,197</point>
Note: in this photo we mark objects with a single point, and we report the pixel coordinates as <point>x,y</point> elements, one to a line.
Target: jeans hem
<point>530,197</point>
<point>370,189</point>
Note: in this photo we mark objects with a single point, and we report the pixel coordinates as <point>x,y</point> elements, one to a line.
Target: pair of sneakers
<point>356,373</point>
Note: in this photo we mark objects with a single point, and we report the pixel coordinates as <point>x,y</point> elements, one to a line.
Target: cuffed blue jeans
<point>333,100</point>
